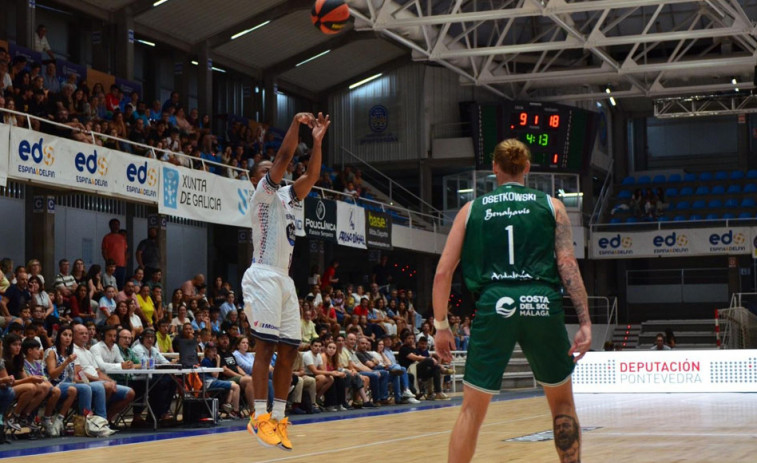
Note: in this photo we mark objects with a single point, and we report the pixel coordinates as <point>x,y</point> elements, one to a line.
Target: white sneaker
<point>413,400</point>
<point>59,426</point>
<point>407,394</point>
<point>49,427</point>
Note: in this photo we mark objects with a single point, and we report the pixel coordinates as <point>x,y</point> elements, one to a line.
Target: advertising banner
<point>379,230</point>
<point>58,161</point>
<point>320,218</point>
<point>5,139</point>
<point>136,177</point>
<point>667,371</point>
<point>350,225</point>
<point>672,243</point>
<point>205,197</point>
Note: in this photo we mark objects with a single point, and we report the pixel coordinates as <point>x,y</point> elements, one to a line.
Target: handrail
<point>392,182</point>
<point>434,219</point>
<point>604,195</point>
<point>657,225</point>
<point>736,299</point>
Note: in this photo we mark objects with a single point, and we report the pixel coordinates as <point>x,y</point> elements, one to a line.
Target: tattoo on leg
<point>567,439</point>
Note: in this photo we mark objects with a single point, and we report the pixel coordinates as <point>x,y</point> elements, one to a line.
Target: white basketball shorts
<point>271,305</point>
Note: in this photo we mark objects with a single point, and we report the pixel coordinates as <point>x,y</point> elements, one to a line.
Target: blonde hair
<point>511,156</point>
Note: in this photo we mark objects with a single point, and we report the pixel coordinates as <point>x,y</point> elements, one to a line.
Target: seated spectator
<point>109,277</point>
<point>128,292</point>
<point>232,370</point>
<point>136,281</point>
<point>212,360</point>
<point>314,367</point>
<point>163,337</point>
<point>187,347</point>
<point>161,393</point>
<point>308,331</point>
<point>52,83</point>
<point>368,366</point>
<point>135,317</point>
<point>16,297</point>
<point>107,304</point>
<point>303,396</point>
<point>335,395</point>
<point>228,305</point>
<point>79,272</point>
<point>400,380</point>
<point>660,343</point>
<point>64,281</point>
<point>28,392</point>
<point>180,319</point>
<point>177,300</point>
<point>147,306</point>
<point>33,366</point>
<point>87,370</point>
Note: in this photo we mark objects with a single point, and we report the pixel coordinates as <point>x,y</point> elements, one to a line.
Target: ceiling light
<point>737,89</point>
<point>247,31</point>
<point>195,62</point>
<point>733,81</point>
<point>159,2</point>
<point>607,90</point>
<point>311,58</point>
<point>612,101</point>
<point>465,190</point>
<point>145,42</point>
<point>365,81</point>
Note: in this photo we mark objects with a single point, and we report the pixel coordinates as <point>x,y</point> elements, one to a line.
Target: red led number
<point>536,119</point>
<point>554,159</point>
<point>523,118</point>
<point>554,121</point>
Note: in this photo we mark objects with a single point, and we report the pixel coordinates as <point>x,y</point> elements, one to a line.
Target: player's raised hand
<point>320,127</point>
<point>305,118</point>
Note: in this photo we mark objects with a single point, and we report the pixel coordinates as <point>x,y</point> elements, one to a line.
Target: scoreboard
<point>560,138</point>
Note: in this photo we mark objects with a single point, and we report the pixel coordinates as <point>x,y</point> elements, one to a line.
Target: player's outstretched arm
<point>444,339</point>
<point>305,182</point>
<point>570,275</point>
<point>288,146</point>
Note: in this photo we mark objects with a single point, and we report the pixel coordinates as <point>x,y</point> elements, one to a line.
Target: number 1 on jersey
<point>510,244</point>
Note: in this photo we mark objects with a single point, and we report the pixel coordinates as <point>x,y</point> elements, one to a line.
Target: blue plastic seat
<point>737,175</point>
<point>686,191</point>
<point>699,204</point>
<point>663,218</point>
<point>624,194</point>
<point>734,189</point>
<point>718,190</point>
<point>751,174</point>
<point>644,180</point>
<point>659,178</point>
<point>750,188</point>
<point>702,190</point>
<point>615,220</point>
<point>712,217</point>
<point>732,203</point>
<point>682,205</point>
<point>721,175</point>
<point>671,192</point>
<point>674,178</point>
<point>680,218</point>
<point>628,181</point>
<point>690,178</point>
<point>632,220</point>
<point>705,176</point>
<point>745,215</point>
<point>748,202</point>
<point>695,217</point>
<point>715,204</point>
<point>728,215</point>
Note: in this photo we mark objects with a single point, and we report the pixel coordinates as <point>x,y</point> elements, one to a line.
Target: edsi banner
<point>205,197</point>
<point>350,225</point>
<point>379,230</point>
<point>672,243</point>
<point>320,218</point>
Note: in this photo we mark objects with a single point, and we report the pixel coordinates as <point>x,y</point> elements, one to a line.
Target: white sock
<point>261,407</point>
<point>279,409</point>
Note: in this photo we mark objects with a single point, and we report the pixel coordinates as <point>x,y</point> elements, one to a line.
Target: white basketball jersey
<point>273,224</point>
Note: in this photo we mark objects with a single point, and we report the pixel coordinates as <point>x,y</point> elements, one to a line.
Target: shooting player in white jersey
<point>269,294</point>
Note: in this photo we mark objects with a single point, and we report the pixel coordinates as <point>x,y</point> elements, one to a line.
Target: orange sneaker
<point>281,432</point>
<point>264,428</point>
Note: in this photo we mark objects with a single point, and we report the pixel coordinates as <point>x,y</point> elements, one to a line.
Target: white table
<point>149,373</point>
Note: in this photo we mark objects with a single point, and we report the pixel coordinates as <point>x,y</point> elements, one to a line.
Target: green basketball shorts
<point>529,314</point>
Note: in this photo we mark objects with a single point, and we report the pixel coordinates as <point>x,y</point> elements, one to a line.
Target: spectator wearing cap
<point>212,360</point>
<point>161,393</point>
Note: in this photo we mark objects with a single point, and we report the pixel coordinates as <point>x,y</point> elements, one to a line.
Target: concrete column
<point>25,23</point>
<point>40,243</point>
<point>205,81</point>
<point>100,40</point>
<point>426,183</point>
<point>181,67</point>
<point>125,45</point>
<point>742,141</point>
<point>161,222</point>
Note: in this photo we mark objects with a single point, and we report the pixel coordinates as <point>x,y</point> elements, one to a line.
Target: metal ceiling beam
<point>141,6</point>
<point>248,22</point>
<point>663,92</point>
<point>527,10</point>
<point>388,66</point>
<point>85,7</point>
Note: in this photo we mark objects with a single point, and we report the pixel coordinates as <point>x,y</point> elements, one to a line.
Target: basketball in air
<point>330,16</point>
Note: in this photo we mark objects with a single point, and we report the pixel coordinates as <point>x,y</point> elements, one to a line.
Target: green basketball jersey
<point>509,237</point>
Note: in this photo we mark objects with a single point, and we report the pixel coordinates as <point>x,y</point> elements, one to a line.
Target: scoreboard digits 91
<point>544,128</point>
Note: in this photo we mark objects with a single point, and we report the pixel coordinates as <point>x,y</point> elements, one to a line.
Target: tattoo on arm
<point>567,439</point>
<point>567,265</point>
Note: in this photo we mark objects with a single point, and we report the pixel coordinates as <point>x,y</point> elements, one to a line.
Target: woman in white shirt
<point>244,358</point>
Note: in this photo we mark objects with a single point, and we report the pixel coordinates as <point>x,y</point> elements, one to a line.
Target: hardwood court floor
<point>632,428</point>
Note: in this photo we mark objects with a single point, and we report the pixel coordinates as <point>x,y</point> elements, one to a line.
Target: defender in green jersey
<point>516,250</point>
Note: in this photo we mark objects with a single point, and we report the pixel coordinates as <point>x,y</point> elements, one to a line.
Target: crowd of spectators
<point>644,204</point>
<point>169,131</point>
<point>65,336</point>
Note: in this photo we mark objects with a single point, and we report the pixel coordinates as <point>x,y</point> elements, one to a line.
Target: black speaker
<point>754,76</point>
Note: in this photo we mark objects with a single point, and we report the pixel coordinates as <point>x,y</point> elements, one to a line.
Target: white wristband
<point>441,325</point>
